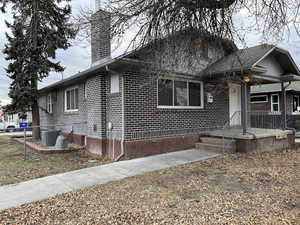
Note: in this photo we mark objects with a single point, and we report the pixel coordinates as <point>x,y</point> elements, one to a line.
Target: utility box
<point>49,137</point>
<point>61,142</point>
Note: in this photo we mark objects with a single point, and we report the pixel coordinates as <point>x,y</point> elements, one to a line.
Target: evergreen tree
<point>39,29</point>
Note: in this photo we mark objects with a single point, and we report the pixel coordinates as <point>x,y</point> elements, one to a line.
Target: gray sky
<point>77,58</point>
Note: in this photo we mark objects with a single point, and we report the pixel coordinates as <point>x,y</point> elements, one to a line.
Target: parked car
<point>10,126</point>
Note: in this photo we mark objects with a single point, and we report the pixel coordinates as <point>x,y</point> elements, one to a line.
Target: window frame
<point>298,103</point>
<point>49,103</point>
<point>272,103</point>
<point>65,100</point>
<point>259,102</point>
<point>173,94</point>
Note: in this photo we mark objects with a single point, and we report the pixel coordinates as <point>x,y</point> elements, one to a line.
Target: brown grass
<point>261,188</point>
<point>14,169</point>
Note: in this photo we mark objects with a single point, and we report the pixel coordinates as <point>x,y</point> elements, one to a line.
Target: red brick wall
<point>140,148</point>
<point>75,138</point>
<point>264,144</point>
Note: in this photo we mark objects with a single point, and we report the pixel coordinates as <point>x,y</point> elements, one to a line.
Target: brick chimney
<point>100,35</point>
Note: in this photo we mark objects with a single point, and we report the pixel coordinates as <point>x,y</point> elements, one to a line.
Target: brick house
<point>125,107</point>
<point>267,98</point>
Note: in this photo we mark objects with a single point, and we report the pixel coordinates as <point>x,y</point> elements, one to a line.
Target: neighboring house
<point>125,107</point>
<point>268,98</point>
<point>10,122</point>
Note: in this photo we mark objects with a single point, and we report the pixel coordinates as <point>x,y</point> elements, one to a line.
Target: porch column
<point>283,106</point>
<point>244,106</point>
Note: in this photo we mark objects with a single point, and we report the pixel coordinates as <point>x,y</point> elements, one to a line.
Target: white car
<point>9,126</point>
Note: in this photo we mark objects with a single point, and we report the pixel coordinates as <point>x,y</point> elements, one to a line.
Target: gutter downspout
<point>123,123</point>
<point>123,118</point>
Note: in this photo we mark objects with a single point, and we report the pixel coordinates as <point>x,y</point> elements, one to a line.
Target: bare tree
<point>205,20</point>
<point>156,19</point>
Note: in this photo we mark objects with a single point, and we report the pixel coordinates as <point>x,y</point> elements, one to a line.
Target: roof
<point>248,58</point>
<point>241,60</point>
<point>268,88</point>
<point>125,58</point>
<point>100,67</point>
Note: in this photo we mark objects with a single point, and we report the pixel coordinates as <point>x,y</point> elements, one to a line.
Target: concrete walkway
<point>39,189</point>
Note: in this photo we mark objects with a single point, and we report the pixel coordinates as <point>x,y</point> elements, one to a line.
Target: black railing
<point>273,120</point>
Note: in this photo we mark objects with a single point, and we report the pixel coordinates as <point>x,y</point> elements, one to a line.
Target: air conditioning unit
<point>49,137</point>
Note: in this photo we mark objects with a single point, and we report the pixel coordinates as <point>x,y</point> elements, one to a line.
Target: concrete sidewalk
<point>39,189</point>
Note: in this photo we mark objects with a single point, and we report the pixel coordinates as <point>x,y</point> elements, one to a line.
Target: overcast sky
<point>77,58</point>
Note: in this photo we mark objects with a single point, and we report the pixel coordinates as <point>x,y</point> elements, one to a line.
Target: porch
<point>252,133</point>
<point>255,140</point>
<point>264,64</point>
<point>247,131</point>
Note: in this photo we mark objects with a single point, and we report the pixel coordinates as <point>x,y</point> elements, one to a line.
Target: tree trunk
<point>35,106</point>
<point>36,121</point>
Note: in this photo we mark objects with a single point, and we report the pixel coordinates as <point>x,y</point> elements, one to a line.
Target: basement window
<point>180,94</point>
<point>71,99</point>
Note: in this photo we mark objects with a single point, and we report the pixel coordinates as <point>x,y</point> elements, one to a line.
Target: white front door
<point>235,103</point>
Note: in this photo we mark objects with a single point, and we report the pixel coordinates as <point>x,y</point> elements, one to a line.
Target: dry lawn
<point>238,189</point>
<point>14,169</point>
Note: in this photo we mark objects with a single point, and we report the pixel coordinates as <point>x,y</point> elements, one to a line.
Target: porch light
<point>247,79</point>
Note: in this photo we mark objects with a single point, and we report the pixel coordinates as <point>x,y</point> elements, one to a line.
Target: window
<point>296,103</point>
<point>71,99</point>
<point>49,103</point>
<point>275,103</point>
<point>179,94</point>
<point>259,99</point>
<point>114,83</point>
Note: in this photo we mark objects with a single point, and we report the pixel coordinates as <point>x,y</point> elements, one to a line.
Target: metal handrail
<point>235,117</point>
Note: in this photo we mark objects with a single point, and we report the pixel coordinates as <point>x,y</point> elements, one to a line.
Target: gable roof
<point>268,88</point>
<point>129,58</point>
<point>248,58</point>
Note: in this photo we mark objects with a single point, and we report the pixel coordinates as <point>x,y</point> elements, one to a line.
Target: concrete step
<point>219,148</point>
<point>216,141</point>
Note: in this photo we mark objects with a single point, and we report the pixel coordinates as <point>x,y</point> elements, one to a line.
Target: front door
<point>235,103</point>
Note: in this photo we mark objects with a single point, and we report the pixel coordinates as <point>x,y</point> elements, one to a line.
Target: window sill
<point>180,107</point>
<point>258,102</point>
<point>71,112</point>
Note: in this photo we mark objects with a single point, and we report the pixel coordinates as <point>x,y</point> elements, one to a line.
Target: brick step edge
<point>215,148</point>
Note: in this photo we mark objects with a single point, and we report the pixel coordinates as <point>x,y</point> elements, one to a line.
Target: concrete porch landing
<point>252,133</point>
<point>256,140</point>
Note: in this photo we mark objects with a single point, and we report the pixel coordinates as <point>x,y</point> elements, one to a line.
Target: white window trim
<point>257,102</point>
<point>180,107</point>
<point>65,100</point>
<point>272,110</point>
<point>49,103</point>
